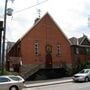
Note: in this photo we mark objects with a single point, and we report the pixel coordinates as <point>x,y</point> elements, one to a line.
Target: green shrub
<point>87,64</point>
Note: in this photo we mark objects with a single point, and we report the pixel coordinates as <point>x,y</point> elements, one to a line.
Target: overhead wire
<point>30,7</point>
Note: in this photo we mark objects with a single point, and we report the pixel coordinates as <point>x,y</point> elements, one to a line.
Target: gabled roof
<point>39,20</point>
<point>82,39</point>
<point>9,45</point>
<point>15,44</point>
<point>73,40</point>
<point>78,41</point>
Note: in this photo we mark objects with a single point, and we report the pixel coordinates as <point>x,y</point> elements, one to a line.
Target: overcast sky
<point>70,15</point>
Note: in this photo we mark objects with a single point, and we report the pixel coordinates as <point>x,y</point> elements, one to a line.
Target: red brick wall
<point>46,32</point>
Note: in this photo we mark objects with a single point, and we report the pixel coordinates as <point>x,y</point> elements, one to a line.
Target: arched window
<point>58,49</point>
<point>36,46</point>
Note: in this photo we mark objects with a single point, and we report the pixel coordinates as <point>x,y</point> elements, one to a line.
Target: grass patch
<point>8,73</point>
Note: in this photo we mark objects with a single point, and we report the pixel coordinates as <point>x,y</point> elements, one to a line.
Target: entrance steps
<point>28,70</point>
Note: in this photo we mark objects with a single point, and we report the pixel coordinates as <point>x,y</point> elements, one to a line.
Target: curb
<point>46,83</point>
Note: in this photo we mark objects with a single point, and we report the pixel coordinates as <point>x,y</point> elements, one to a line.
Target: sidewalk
<point>47,82</point>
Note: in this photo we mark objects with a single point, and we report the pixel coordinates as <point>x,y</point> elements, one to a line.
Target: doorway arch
<point>48,57</point>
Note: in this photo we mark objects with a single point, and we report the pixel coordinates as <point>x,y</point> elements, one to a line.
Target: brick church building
<point>46,46</point>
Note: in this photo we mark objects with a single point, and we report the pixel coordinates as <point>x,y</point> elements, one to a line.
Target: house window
<point>77,50</point>
<point>36,48</point>
<point>58,49</point>
<point>82,51</point>
<point>88,50</point>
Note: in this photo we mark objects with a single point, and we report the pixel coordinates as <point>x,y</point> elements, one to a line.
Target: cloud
<point>70,15</point>
<point>15,29</point>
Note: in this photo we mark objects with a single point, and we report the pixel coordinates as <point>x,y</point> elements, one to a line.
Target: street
<point>63,86</point>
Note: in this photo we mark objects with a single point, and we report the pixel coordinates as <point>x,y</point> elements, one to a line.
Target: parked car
<point>11,82</point>
<point>83,75</point>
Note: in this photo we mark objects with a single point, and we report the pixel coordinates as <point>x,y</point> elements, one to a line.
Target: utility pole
<point>9,13</point>
<point>3,38</point>
<point>1,28</point>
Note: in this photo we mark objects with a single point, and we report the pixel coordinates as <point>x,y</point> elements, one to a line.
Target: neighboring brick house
<point>44,45</point>
<point>80,50</point>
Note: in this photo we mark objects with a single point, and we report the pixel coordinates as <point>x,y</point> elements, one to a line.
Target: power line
<point>30,7</point>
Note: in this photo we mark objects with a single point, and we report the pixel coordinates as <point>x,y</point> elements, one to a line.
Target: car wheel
<point>86,79</point>
<point>13,88</point>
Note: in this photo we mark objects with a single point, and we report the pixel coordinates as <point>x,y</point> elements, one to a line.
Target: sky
<point>70,15</point>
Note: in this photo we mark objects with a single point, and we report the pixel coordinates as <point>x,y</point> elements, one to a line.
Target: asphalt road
<point>64,86</point>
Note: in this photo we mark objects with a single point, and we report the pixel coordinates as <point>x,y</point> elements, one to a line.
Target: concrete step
<point>28,70</point>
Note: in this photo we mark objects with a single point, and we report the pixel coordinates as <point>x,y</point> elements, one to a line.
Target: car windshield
<point>84,71</point>
<point>15,78</point>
